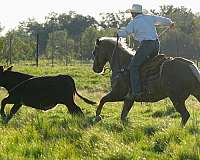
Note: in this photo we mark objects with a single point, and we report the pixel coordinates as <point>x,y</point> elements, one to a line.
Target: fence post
<point>66,58</point>
<point>10,49</point>
<point>37,49</point>
<point>53,49</point>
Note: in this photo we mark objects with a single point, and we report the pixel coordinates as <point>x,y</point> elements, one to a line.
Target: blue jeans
<point>147,50</point>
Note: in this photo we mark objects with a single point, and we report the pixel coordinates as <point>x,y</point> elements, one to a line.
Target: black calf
<point>40,92</point>
<point>9,79</point>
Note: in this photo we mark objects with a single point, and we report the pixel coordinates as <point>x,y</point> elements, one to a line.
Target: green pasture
<point>152,132</point>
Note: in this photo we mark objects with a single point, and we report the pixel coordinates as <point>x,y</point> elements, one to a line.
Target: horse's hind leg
<point>180,107</point>
<point>126,108</point>
<point>197,95</point>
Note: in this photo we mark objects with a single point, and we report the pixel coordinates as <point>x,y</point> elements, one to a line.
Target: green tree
<point>196,35</point>
<point>70,48</point>
<point>19,46</point>
<point>1,28</point>
<point>75,24</point>
<point>32,27</point>
<point>113,20</point>
<point>87,42</point>
<point>179,42</point>
<point>58,40</point>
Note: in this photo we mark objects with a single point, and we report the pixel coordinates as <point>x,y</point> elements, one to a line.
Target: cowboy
<point>143,28</point>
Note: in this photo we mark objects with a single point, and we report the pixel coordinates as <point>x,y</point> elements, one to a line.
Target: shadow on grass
<point>150,130</point>
<point>194,130</point>
<point>170,111</point>
<point>120,156</point>
<point>188,155</point>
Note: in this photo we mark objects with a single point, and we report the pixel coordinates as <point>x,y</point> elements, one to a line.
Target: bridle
<point>111,59</point>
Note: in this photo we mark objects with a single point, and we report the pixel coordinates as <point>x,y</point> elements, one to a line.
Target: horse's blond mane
<point>122,43</point>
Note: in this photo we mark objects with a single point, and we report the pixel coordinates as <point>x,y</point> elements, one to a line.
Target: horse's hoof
<point>3,115</point>
<point>98,118</point>
<point>5,120</point>
<point>124,120</point>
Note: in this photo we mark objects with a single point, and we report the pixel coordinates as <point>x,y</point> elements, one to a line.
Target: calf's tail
<point>85,99</point>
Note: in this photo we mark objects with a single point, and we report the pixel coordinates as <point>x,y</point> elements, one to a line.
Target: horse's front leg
<point>110,97</point>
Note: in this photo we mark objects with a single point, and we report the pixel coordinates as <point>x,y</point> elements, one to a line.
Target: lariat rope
<point>115,48</point>
<point>165,30</point>
<point>176,40</point>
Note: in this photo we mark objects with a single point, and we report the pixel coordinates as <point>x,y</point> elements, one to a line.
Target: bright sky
<point>14,11</point>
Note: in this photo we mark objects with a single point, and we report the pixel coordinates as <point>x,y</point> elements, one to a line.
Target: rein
<point>114,50</point>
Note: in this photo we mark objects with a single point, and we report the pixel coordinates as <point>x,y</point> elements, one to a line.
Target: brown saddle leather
<point>150,73</point>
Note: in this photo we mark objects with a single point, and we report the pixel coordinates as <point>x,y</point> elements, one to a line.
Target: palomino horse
<point>178,78</point>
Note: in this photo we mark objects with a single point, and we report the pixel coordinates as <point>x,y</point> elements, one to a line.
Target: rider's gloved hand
<point>172,26</point>
<point>117,35</point>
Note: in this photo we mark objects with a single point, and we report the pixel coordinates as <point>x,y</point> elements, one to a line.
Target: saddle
<point>150,73</point>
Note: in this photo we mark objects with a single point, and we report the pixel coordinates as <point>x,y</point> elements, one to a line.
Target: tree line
<point>73,35</point>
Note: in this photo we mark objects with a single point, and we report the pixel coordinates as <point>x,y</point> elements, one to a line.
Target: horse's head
<point>107,50</point>
<point>100,53</point>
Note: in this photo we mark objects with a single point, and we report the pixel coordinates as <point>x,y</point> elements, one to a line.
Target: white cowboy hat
<point>136,8</point>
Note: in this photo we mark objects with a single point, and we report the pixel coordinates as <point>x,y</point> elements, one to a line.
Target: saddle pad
<point>150,73</point>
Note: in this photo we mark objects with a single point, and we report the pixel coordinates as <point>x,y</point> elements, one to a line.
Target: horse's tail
<point>196,74</point>
<point>192,66</point>
<point>85,99</point>
<point>195,71</point>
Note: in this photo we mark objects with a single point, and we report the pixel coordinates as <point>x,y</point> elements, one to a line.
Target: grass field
<point>153,131</point>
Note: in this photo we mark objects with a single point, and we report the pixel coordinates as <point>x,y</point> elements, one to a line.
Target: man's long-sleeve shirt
<point>143,27</point>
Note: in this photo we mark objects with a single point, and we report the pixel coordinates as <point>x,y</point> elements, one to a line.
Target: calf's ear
<point>1,68</point>
<point>97,41</point>
<point>9,68</point>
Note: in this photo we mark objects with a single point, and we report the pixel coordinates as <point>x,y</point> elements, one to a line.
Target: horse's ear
<point>9,68</point>
<point>97,41</point>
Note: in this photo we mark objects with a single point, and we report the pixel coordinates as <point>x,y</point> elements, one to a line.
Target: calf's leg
<point>73,108</point>
<point>13,111</point>
<point>3,104</point>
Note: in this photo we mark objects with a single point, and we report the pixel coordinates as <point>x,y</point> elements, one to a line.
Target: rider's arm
<point>125,31</point>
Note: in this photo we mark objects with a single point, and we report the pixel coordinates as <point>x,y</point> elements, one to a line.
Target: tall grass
<point>152,132</point>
